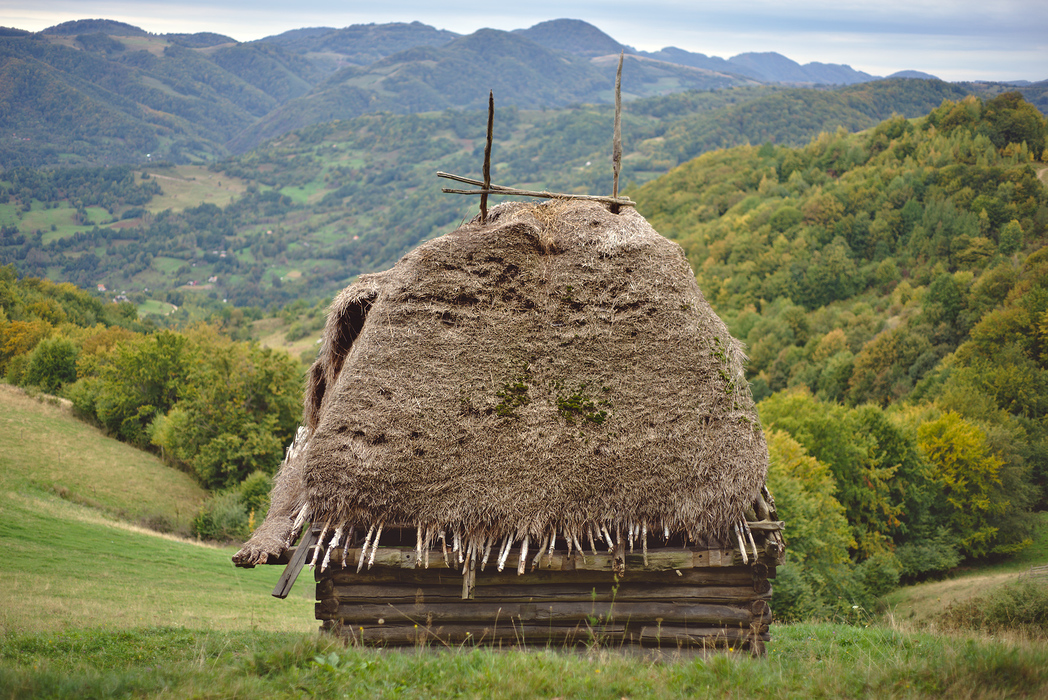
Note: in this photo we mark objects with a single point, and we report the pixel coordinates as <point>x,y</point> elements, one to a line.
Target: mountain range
<point>98,91</point>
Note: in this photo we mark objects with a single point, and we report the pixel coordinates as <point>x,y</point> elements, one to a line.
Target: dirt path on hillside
<point>923,602</point>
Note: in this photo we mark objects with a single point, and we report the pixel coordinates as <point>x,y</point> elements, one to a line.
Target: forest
<point>892,290</point>
<point>891,287</point>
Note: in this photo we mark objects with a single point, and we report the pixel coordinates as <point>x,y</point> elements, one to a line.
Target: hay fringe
<point>473,549</point>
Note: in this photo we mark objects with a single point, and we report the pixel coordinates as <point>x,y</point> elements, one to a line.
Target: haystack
<point>543,383</point>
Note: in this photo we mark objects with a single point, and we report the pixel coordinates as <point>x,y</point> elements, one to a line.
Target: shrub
<point>880,573</point>
<point>52,364</point>
<point>924,559</point>
<point>792,596</point>
<point>222,518</point>
<point>254,492</point>
<point>84,393</point>
<point>16,368</point>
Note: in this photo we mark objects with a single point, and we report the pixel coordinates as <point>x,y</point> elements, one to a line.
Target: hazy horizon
<point>959,40</point>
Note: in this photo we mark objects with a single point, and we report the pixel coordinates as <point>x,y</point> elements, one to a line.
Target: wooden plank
<point>725,576</point>
<point>559,613</point>
<point>766,525</point>
<point>399,594</point>
<point>673,635</point>
<point>287,579</point>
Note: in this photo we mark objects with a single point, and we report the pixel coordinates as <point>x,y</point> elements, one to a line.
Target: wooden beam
<point>414,593</point>
<point>616,142</point>
<point>669,559</point>
<point>498,189</point>
<point>287,579</point>
<point>766,525</point>
<point>556,613</point>
<point>378,576</point>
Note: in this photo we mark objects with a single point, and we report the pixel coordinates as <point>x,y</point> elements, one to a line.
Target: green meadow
<point>95,604</point>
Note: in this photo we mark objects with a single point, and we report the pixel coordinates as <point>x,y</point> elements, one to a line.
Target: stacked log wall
<point>668,599</point>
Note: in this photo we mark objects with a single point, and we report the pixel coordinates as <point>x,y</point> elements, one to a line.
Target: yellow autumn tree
<point>968,476</point>
<point>20,337</point>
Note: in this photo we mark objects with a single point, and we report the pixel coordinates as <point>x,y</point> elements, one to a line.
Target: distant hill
<point>94,26</point>
<point>573,36</point>
<point>920,75</point>
<point>200,39</point>
<point>767,67</point>
<point>672,54</point>
<point>776,68</point>
<point>93,97</point>
<point>521,72</point>
<point>96,91</point>
<point>359,44</point>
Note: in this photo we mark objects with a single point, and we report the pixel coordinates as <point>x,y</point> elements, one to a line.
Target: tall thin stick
<point>487,158</point>
<point>616,146</point>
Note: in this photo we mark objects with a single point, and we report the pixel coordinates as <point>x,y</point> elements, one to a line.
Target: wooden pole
<point>616,146</point>
<point>487,158</point>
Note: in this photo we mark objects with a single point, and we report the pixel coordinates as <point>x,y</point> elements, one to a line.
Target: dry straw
<point>553,373</point>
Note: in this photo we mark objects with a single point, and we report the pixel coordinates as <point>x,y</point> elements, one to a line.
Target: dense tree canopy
<point>892,289</point>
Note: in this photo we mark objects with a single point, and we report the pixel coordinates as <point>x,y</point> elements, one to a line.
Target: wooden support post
<point>287,579</point>
<point>469,580</point>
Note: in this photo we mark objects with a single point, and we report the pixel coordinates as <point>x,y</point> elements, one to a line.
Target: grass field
<point>186,186</point>
<point>806,661</point>
<point>272,333</point>
<point>155,307</point>
<point>92,606</point>
<point>43,448</point>
<point>69,501</point>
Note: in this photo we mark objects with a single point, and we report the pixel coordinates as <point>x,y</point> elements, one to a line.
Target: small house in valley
<point>533,430</point>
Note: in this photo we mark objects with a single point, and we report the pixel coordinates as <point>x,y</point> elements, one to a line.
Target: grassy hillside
<point>44,449</point>
<point>69,566</point>
<point>922,605</point>
<point>71,501</point>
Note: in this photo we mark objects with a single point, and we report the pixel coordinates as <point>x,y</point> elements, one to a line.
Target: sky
<point>951,39</point>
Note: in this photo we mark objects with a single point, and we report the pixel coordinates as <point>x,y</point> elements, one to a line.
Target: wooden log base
<point>564,613</point>
<point>400,594</point>
<point>569,603</point>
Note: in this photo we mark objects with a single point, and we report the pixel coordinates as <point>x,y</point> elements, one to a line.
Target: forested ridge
<point>891,286</point>
<point>892,289</point>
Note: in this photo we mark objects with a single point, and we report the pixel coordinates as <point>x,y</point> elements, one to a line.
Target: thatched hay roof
<point>556,367</point>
